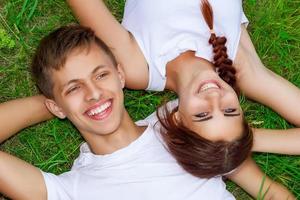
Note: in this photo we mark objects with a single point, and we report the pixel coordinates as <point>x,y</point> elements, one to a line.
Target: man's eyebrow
<point>77,80</point>
<point>231,115</point>
<point>97,68</point>
<point>203,119</point>
<point>70,82</point>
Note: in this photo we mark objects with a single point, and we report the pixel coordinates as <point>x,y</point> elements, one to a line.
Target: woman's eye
<point>201,115</point>
<point>102,75</point>
<point>229,110</point>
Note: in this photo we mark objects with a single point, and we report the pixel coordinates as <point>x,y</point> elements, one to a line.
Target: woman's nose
<point>214,98</point>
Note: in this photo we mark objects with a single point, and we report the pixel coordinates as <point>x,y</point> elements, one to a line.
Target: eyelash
<point>204,114</point>
<point>201,115</point>
<point>229,110</point>
<point>72,89</point>
<point>102,75</point>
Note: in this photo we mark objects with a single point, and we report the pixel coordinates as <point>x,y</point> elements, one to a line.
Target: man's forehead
<point>91,55</point>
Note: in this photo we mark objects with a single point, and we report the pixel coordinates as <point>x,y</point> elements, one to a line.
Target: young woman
<point>173,45</point>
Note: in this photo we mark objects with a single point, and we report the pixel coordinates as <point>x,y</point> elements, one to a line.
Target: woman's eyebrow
<point>232,115</point>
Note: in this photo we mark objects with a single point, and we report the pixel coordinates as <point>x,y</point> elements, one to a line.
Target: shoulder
<point>60,186</point>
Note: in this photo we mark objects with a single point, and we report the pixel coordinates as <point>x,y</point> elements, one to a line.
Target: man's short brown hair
<point>54,50</point>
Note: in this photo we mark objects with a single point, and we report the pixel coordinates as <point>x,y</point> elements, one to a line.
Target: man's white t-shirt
<point>144,170</point>
<point>164,29</point>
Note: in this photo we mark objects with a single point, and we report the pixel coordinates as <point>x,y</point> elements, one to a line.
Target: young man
<point>81,80</point>
<point>120,159</point>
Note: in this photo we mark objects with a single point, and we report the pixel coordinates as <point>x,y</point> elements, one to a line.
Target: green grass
<point>53,145</point>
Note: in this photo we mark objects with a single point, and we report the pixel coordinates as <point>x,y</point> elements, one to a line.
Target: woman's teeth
<point>208,86</point>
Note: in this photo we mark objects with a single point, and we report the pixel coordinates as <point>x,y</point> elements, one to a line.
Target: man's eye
<point>201,115</point>
<point>72,89</point>
<point>102,75</point>
<point>229,110</point>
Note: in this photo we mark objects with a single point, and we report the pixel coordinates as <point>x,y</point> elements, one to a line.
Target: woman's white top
<point>166,28</point>
<point>144,170</point>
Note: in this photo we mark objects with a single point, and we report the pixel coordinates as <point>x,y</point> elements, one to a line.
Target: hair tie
<point>212,31</point>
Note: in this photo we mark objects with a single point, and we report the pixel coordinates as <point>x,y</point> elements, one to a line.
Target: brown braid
<point>222,63</point>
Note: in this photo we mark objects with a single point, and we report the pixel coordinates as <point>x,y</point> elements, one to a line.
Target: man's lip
<point>103,115</point>
<point>96,105</point>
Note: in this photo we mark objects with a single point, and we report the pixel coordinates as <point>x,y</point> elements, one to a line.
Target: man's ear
<point>121,75</point>
<point>54,108</point>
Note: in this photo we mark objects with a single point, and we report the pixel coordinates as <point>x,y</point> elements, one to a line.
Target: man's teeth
<point>99,109</point>
<point>208,86</point>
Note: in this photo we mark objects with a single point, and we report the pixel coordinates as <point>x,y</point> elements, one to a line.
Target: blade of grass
<point>20,15</point>
<point>33,8</point>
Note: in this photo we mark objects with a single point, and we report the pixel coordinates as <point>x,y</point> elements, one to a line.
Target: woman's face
<point>210,107</point>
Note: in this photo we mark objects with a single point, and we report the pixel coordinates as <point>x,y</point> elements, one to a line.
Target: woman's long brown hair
<point>197,155</point>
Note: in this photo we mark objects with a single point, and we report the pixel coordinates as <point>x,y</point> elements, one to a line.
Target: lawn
<point>52,146</point>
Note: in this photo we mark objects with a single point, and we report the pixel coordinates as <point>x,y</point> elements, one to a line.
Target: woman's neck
<point>183,69</point>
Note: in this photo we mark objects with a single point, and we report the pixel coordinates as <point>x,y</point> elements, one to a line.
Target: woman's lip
<point>206,82</point>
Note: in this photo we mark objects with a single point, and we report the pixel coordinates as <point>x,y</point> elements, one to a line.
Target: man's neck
<point>125,134</point>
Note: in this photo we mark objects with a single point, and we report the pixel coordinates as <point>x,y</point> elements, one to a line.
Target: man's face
<point>88,91</point>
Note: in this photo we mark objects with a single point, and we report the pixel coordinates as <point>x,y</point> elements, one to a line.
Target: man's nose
<point>93,92</point>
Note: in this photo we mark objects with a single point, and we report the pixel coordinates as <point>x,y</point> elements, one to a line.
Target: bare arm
<point>277,141</point>
<point>264,86</point>
<point>20,113</point>
<point>253,181</point>
<point>94,14</point>
<point>20,180</point>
